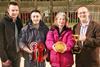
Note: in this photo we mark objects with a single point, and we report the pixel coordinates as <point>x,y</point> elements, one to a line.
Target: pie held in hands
<point>60,46</point>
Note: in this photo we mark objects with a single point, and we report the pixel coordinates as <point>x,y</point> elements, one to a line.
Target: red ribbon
<point>38,52</point>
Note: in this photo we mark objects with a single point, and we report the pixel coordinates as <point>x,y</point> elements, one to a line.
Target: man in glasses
<point>89,39</point>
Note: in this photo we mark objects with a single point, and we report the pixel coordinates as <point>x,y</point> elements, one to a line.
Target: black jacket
<point>27,34</point>
<point>7,38</point>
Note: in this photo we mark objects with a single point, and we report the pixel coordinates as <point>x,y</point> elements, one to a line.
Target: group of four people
<point>16,41</point>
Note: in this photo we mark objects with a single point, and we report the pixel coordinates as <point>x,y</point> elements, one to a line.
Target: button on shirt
<point>83,29</point>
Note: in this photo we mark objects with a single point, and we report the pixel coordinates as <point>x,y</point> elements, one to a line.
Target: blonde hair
<point>59,14</point>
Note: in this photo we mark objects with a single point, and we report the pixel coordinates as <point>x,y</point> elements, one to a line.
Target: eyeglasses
<point>83,12</point>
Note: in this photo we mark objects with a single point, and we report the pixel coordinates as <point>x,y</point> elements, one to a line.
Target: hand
<point>82,38</point>
<point>32,44</point>
<point>30,51</point>
<point>53,47</point>
<point>45,56</point>
<point>7,63</point>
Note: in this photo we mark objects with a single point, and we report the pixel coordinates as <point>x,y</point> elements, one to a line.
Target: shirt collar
<point>85,24</point>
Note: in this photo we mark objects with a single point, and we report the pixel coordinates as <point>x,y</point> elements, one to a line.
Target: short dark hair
<point>35,11</point>
<point>13,3</point>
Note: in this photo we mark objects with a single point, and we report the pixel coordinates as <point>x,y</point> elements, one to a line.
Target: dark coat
<point>7,40</point>
<point>28,35</point>
<point>90,53</point>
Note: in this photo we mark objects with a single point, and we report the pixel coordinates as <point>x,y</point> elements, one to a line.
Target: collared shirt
<point>83,29</point>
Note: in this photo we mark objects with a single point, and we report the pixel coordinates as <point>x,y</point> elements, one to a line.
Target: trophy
<point>76,49</point>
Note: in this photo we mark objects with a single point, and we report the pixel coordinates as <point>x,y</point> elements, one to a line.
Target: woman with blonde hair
<point>59,41</point>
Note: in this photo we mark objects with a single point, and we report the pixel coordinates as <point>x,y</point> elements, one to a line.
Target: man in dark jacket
<point>89,40</point>
<point>10,25</point>
<point>33,34</point>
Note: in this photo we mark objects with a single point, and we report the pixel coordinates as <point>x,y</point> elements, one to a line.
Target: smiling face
<point>13,11</point>
<point>35,17</point>
<point>83,14</point>
<point>60,20</point>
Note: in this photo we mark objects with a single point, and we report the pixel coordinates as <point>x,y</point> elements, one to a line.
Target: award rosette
<point>60,46</point>
<point>38,52</point>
